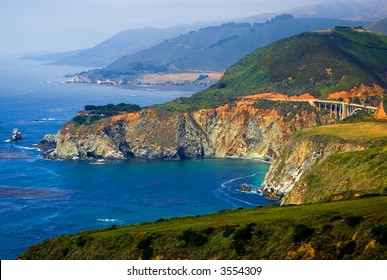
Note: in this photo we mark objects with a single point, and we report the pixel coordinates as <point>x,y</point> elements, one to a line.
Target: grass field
<point>355,229</point>
<point>351,131</point>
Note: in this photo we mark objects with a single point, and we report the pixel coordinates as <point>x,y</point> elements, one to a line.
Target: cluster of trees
<point>95,113</point>
<point>111,108</point>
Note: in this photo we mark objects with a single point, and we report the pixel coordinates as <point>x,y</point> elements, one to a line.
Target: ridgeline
<point>315,62</point>
<point>343,166</point>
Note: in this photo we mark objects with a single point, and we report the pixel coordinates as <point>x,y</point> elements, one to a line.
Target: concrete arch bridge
<point>341,110</point>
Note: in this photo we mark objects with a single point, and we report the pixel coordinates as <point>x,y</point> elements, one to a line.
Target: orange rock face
<point>362,92</point>
<point>234,130</point>
<point>380,113</point>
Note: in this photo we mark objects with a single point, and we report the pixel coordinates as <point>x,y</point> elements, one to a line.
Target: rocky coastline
<point>128,81</point>
<point>240,130</point>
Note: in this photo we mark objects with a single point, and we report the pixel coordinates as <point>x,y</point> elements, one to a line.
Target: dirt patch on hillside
<point>279,96</point>
<point>178,77</point>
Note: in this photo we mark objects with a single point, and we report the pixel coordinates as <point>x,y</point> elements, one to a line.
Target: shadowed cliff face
<point>237,130</point>
<point>299,156</point>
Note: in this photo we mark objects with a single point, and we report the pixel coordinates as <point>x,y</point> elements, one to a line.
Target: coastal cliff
<point>331,163</point>
<point>243,129</point>
<point>300,155</point>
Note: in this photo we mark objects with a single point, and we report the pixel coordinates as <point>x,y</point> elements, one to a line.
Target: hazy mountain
<point>123,43</point>
<point>345,9</point>
<point>218,47</point>
<point>379,26</point>
<point>314,62</point>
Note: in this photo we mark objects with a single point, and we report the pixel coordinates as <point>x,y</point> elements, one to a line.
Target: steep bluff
<point>242,129</point>
<point>299,156</point>
<point>329,163</point>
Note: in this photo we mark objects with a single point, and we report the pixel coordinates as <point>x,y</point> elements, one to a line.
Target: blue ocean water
<point>42,199</point>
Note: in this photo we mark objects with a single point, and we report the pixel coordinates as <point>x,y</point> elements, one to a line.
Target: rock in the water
<point>48,142</point>
<point>245,188</point>
<point>16,135</point>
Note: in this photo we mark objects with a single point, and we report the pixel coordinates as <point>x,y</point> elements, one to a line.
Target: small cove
<point>41,198</point>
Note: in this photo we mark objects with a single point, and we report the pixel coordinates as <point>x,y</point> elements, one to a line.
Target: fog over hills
<point>214,48</point>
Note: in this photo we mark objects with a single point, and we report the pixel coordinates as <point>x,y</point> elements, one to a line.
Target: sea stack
<point>16,135</point>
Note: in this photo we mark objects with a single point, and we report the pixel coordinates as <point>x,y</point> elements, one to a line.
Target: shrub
<point>145,242</point>
<point>191,237</point>
<point>147,253</point>
<point>208,231</point>
<point>301,232</point>
<point>221,85</point>
<point>228,231</point>
<point>347,249</point>
<point>65,251</point>
<point>81,241</point>
<point>353,221</point>
<point>380,233</point>
<point>336,218</point>
<point>241,237</point>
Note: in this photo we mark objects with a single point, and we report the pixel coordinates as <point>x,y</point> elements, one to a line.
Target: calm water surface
<point>41,199</point>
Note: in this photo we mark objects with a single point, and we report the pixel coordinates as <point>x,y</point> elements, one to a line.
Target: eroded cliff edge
<point>245,129</point>
<point>298,157</point>
<point>331,163</point>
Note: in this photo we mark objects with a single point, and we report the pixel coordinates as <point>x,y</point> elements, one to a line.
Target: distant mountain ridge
<point>379,26</point>
<point>212,49</point>
<point>312,62</point>
<point>128,42</point>
<point>123,43</point>
<point>344,9</point>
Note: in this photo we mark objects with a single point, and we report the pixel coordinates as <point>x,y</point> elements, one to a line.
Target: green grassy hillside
<point>355,229</point>
<point>346,175</point>
<point>215,48</point>
<point>316,62</point>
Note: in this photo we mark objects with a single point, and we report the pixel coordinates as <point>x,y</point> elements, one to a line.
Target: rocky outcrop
<point>16,135</point>
<point>48,142</point>
<point>301,154</point>
<point>380,113</point>
<point>238,130</point>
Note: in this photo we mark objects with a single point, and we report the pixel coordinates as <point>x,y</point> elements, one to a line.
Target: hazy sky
<point>50,25</point>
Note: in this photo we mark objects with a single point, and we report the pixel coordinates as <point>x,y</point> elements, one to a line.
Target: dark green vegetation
<point>287,109</point>
<point>355,229</point>
<point>348,175</point>
<point>316,62</point>
<point>212,48</point>
<point>94,113</point>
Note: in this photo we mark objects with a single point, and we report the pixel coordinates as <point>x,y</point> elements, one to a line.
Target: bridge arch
<point>358,110</point>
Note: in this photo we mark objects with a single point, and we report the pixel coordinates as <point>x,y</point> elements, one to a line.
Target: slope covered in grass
<point>355,229</point>
<point>343,175</point>
<point>315,62</point>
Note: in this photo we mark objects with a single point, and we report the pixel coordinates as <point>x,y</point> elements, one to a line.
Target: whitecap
<point>26,148</point>
<point>224,185</point>
<point>109,220</point>
<point>98,162</point>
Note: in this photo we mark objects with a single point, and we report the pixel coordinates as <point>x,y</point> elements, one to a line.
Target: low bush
<point>208,231</point>
<point>380,233</point>
<point>353,221</point>
<point>347,249</point>
<point>145,242</point>
<point>241,237</point>
<point>301,232</point>
<point>228,231</point>
<point>193,238</point>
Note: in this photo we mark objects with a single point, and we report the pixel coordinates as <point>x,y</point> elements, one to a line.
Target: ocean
<point>42,199</point>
